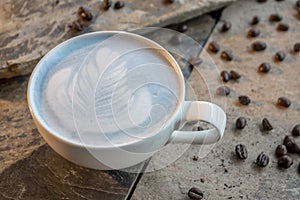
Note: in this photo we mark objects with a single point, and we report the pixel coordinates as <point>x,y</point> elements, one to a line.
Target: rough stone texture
<point>220,174</point>
<point>29,29</point>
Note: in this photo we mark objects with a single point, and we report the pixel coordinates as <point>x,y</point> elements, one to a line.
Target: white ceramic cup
<point>129,154</point>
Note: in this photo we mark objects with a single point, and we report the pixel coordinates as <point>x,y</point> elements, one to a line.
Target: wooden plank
<point>220,174</point>
<point>29,29</point>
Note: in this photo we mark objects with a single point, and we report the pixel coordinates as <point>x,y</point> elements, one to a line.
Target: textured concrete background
<point>223,175</point>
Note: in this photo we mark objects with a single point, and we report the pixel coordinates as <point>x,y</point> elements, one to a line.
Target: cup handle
<point>201,111</point>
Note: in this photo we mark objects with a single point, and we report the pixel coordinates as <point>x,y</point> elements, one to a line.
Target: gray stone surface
<point>29,29</point>
<point>220,174</point>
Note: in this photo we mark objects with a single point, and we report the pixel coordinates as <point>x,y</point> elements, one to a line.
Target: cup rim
<point>33,78</point>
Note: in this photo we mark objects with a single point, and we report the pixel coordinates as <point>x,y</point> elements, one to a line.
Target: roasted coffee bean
<point>253,32</point>
<point>297,47</point>
<point>285,161</point>
<point>259,46</point>
<point>197,128</point>
<point>170,1</point>
<point>225,76</point>
<point>296,130</point>
<point>280,56</point>
<point>107,4</point>
<point>226,26</point>
<point>240,123</point>
<point>255,20</point>
<point>275,18</point>
<point>262,160</point>
<point>214,47</point>
<point>283,27</point>
<point>244,100</point>
<point>241,151</point>
<point>76,26</point>
<point>266,125</point>
<point>264,67</point>
<point>281,150</point>
<point>261,1</point>
<point>234,75</point>
<point>223,91</point>
<point>227,55</point>
<point>290,144</point>
<point>284,102</point>
<point>195,193</point>
<point>119,4</point>
<point>288,139</point>
<point>182,28</point>
<point>298,4</point>
<point>85,13</point>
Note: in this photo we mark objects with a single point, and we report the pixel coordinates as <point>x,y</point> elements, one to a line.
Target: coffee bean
<point>76,26</point>
<point>197,128</point>
<point>240,123</point>
<point>226,26</point>
<point>288,139</point>
<point>85,13</point>
<point>284,102</point>
<point>297,47</point>
<point>296,130</point>
<point>261,1</point>
<point>262,160</point>
<point>285,161</point>
<point>281,150</point>
<point>182,28</point>
<point>234,75</point>
<point>275,18</point>
<point>291,145</point>
<point>119,4</point>
<point>266,125</point>
<point>280,56</point>
<point>195,193</point>
<point>259,46</point>
<point>170,1</point>
<point>223,91</point>
<point>244,100</point>
<point>283,27</point>
<point>225,76</point>
<point>255,20</point>
<point>298,4</point>
<point>241,151</point>
<point>107,4</point>
<point>264,67</point>
<point>253,32</point>
<point>214,47</point>
<point>227,55</point>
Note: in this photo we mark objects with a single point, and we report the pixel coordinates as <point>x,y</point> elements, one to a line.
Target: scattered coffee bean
<point>283,27</point>
<point>226,26</point>
<point>227,55</point>
<point>234,75</point>
<point>285,161</point>
<point>253,32</point>
<point>280,56</point>
<point>259,46</point>
<point>76,26</point>
<point>298,4</point>
<point>297,47</point>
<point>255,20</point>
<point>170,1</point>
<point>195,158</point>
<point>262,160</point>
<point>85,13</point>
<point>264,67</point>
<point>281,150</point>
<point>244,100</point>
<point>195,193</point>
<point>107,4</point>
<point>225,76</point>
<point>266,125</point>
<point>240,123</point>
<point>290,144</point>
<point>284,102</point>
<point>223,91</point>
<point>261,1</point>
<point>214,47</point>
<point>197,128</point>
<point>288,139</point>
<point>119,4</point>
<point>296,130</point>
<point>241,151</point>
<point>275,18</point>
<point>182,28</point>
